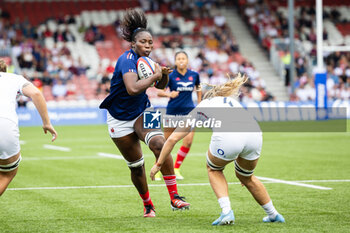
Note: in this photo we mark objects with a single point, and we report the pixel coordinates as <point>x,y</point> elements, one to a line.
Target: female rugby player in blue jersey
<point>242,146</point>
<point>126,103</point>
<point>182,82</point>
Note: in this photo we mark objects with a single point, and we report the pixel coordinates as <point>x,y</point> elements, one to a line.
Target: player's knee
<point>187,144</point>
<point>11,169</point>
<point>156,144</point>
<point>136,167</point>
<point>246,180</point>
<point>243,173</point>
<point>154,137</point>
<point>213,167</point>
<point>137,171</point>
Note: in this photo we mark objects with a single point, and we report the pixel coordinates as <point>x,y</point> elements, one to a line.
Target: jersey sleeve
<point>128,66</point>
<point>198,81</point>
<point>21,83</point>
<point>200,112</point>
<point>170,82</point>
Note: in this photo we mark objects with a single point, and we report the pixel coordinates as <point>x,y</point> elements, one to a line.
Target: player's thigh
<point>252,147</point>
<point>214,161</point>
<point>247,164</point>
<point>148,135</point>
<point>8,170</point>
<point>12,159</point>
<point>6,177</point>
<point>129,146</point>
<point>168,131</point>
<point>226,146</point>
<point>9,140</point>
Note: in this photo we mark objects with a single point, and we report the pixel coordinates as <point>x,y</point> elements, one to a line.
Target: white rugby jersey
<point>231,114</point>
<point>10,88</point>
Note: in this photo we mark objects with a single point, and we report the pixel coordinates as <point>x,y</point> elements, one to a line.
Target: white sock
<point>270,210</point>
<point>225,204</point>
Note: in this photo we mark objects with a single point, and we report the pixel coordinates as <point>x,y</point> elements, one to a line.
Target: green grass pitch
<point>104,199</point>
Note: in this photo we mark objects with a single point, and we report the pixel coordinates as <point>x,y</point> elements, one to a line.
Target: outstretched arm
<point>164,93</point>
<point>34,93</point>
<point>199,93</point>
<point>168,146</point>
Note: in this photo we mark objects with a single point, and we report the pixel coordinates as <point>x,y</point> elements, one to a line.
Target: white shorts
<point>118,128</point>
<point>228,146</point>
<point>9,138</point>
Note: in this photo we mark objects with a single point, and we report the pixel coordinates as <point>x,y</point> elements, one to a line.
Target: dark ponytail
<point>134,21</point>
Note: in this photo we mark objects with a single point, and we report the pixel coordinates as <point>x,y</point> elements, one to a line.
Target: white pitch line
<point>22,142</point>
<point>158,185</point>
<point>61,158</point>
<point>113,156</point>
<point>101,155</point>
<point>60,148</point>
<point>322,181</point>
<point>293,183</point>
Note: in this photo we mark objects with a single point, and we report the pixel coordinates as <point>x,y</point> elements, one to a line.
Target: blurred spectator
<point>46,79</point>
<point>59,90</point>
<point>220,20</point>
<point>71,89</point>
<point>37,82</point>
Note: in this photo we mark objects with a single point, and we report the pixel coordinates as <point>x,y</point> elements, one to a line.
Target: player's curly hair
<point>134,21</point>
<point>230,88</point>
<point>3,66</point>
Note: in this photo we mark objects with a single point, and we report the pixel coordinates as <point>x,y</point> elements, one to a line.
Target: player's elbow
<point>35,94</point>
<point>172,140</point>
<point>132,91</point>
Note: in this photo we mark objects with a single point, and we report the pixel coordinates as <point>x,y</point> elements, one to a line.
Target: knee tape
<point>213,166</point>
<point>11,166</point>
<point>136,164</point>
<point>152,134</point>
<point>242,171</point>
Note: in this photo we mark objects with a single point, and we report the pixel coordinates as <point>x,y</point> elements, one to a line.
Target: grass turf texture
<point>286,156</point>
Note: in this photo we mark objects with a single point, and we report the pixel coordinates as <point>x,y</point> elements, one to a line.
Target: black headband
<point>136,31</point>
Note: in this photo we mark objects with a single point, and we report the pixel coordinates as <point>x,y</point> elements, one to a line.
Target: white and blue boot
<point>225,219</point>
<point>278,218</point>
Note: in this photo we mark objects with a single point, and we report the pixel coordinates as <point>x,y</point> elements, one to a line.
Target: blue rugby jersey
<point>119,103</point>
<point>184,84</point>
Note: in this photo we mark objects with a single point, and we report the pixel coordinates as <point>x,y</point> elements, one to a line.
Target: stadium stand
<point>79,44</point>
<point>268,22</point>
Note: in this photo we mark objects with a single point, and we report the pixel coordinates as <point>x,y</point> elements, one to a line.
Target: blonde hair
<point>230,88</point>
<point>3,66</point>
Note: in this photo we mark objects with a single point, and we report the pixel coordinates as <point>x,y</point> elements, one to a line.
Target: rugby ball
<point>145,67</point>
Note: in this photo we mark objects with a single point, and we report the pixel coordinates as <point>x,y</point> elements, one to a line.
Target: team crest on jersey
<point>177,79</point>
<point>184,86</point>
<point>151,119</point>
<point>190,78</point>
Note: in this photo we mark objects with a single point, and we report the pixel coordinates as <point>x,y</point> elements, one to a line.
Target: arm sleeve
<point>129,66</point>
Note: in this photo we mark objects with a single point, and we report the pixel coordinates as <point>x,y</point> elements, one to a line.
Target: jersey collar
<point>180,75</point>
<point>134,53</point>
